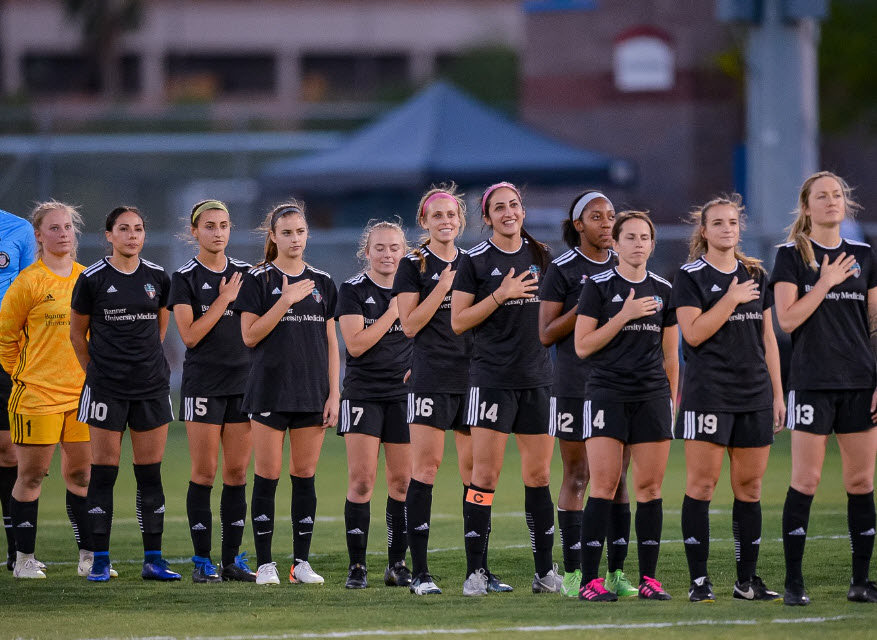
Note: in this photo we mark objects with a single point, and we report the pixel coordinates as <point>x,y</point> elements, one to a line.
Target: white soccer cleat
<point>476,584</point>
<point>303,573</point>
<point>267,574</point>
<point>86,560</point>
<point>551,582</point>
<point>28,567</point>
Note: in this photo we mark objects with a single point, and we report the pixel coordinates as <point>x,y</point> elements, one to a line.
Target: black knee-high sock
<point>595,524</point>
<point>618,536</point>
<point>24,524</point>
<point>77,513</point>
<point>232,515</point>
<point>8,475</point>
<point>397,538</point>
<point>150,504</point>
<point>418,509</point>
<point>860,518</point>
<point>649,523</point>
<point>100,505</point>
<point>570,524</point>
<point>476,521</point>
<point>200,518</point>
<point>746,524</point>
<point>357,517</point>
<point>696,535</point>
<point>539,510</point>
<point>262,516</point>
<point>303,511</point>
<point>796,516</point>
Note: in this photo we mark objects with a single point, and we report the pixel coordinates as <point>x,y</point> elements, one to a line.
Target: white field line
<point>359,633</point>
<point>435,550</point>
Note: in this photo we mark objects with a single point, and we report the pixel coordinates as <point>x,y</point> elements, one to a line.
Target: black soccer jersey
<point>289,368</point>
<point>563,282</point>
<point>506,353</point>
<point>441,357</point>
<point>830,350</point>
<point>726,373</point>
<point>631,366</point>
<point>379,373</point>
<point>127,360</point>
<point>219,363</point>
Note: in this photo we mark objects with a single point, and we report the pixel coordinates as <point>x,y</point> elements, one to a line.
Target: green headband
<point>210,204</point>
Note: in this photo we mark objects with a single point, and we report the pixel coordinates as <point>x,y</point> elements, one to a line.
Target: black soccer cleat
<point>865,592</point>
<point>755,589</point>
<point>205,571</point>
<point>357,577</point>
<point>398,575</point>
<point>701,590</point>
<point>651,589</point>
<point>795,596</point>
<point>239,570</point>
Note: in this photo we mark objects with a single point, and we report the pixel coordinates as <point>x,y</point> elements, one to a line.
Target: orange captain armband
<point>479,497</point>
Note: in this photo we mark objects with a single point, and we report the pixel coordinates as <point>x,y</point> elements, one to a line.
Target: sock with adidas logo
<point>357,516</point>
<point>696,535</point>
<point>595,523</point>
<point>539,511</point>
<point>262,515</point>
<point>200,518</point>
<point>150,504</point>
<point>8,476</point>
<point>418,508</point>
<point>746,524</point>
<point>476,521</point>
<point>796,516</point>
<point>24,524</point>
<point>618,536</point>
<point>232,515</point>
<point>397,540</point>
<point>303,510</point>
<point>77,513</point>
<point>100,505</point>
<point>649,523</point>
<point>570,524</point>
<point>861,521</point>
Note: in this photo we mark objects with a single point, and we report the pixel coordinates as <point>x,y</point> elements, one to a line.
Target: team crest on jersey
<point>660,302</point>
<point>856,269</point>
<point>4,259</point>
<point>317,295</point>
<point>534,271</point>
<point>150,290</point>
<point>584,277</point>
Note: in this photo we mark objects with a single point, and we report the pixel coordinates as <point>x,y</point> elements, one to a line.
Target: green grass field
<point>66,606</point>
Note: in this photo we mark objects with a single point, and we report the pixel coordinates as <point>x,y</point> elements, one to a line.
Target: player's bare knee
<point>78,477</point>
<point>859,484</point>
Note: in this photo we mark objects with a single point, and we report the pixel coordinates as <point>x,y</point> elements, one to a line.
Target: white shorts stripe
<point>586,419</point>
<point>790,412</point>
<point>552,417</point>
<point>672,421</point>
<point>410,408</point>
<point>171,405</point>
<point>83,404</point>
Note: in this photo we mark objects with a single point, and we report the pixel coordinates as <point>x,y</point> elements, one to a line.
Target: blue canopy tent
<point>442,134</point>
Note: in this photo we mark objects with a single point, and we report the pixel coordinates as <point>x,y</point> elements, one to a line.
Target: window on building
<point>74,73</point>
<point>330,77</point>
<point>210,75</point>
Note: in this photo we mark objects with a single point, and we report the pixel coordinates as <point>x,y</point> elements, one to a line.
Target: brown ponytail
<point>698,246</point>
<point>538,250</point>
<point>291,208</point>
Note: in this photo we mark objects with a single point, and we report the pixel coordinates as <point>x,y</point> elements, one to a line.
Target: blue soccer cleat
<point>100,568</point>
<point>158,569</point>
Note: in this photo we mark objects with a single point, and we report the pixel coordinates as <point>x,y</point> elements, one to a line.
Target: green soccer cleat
<point>617,583</point>
<point>571,583</point>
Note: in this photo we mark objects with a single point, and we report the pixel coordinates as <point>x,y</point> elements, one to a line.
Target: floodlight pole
<point>782,108</point>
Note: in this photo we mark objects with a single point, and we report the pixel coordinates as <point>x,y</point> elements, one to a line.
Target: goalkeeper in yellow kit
<point>35,350</point>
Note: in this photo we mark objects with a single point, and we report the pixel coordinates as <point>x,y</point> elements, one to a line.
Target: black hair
<point>115,213</point>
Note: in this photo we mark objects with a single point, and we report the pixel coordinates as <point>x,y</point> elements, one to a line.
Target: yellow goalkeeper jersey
<point>35,346</point>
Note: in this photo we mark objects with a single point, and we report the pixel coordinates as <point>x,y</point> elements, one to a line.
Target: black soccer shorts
<point>383,419</point>
<point>522,411</point>
<point>98,409</point>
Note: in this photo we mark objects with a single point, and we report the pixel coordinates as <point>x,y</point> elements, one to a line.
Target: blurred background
<point>358,105</point>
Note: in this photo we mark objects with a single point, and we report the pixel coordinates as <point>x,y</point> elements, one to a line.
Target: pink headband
<point>436,196</point>
<point>493,188</point>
